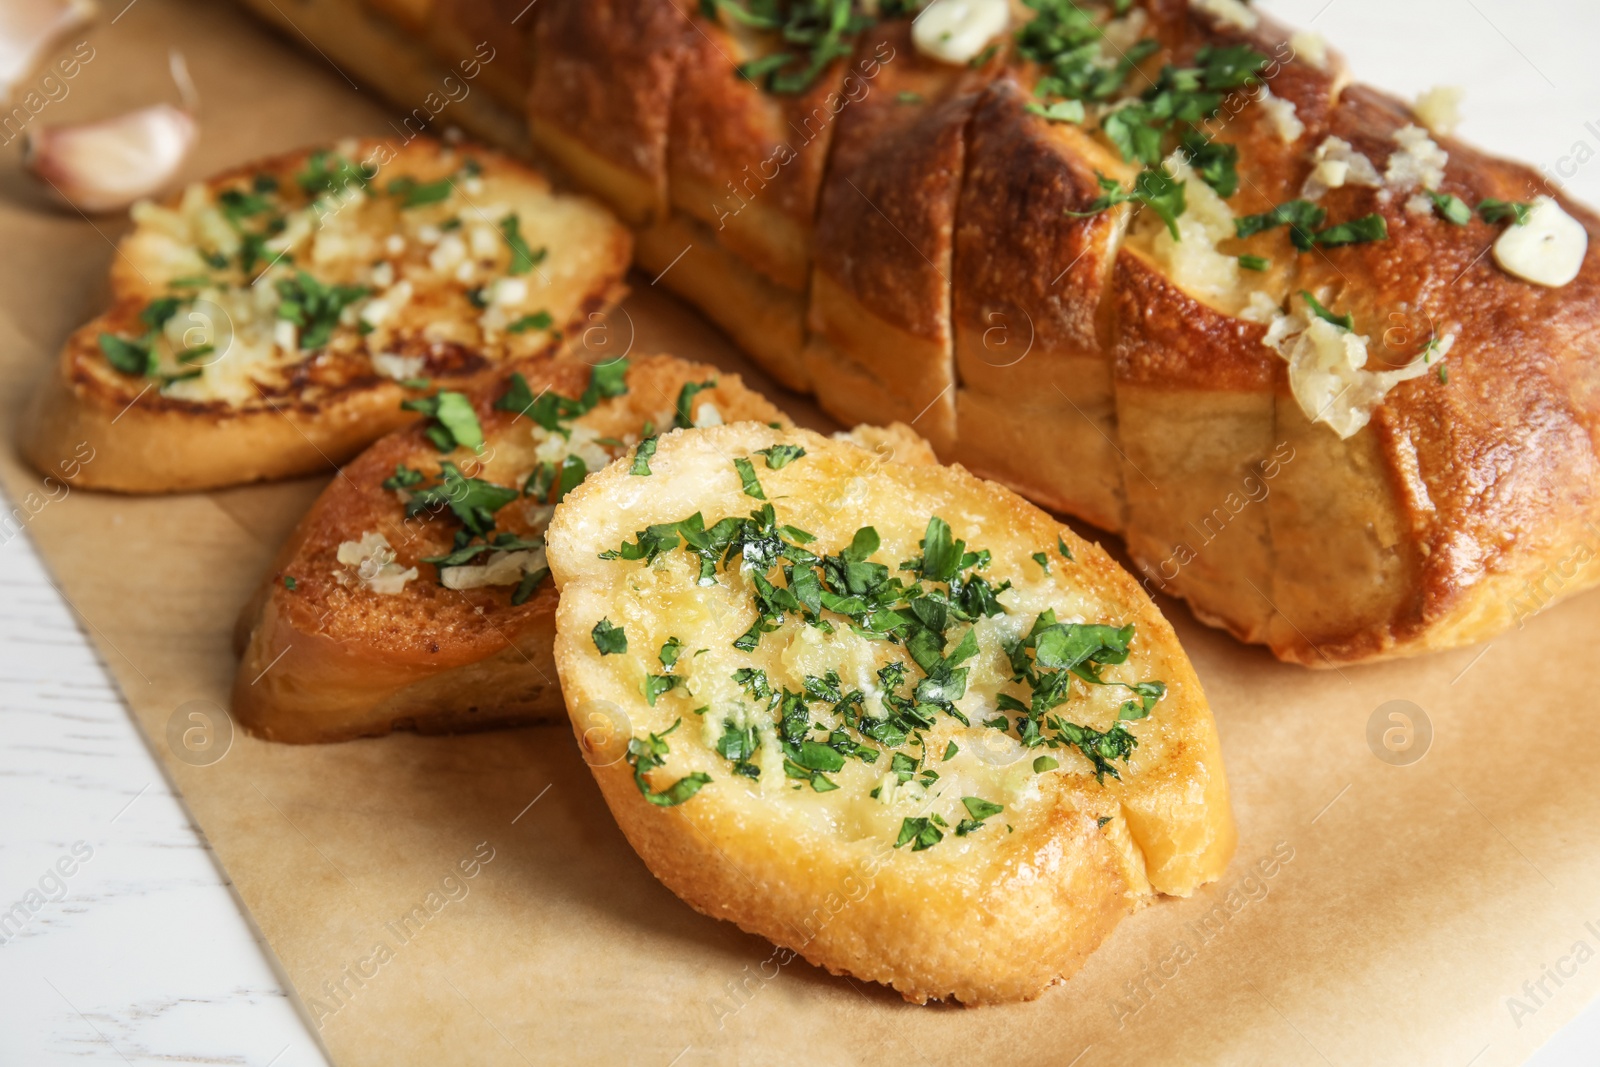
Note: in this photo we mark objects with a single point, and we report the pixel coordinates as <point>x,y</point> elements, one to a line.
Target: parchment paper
<point>469,900</point>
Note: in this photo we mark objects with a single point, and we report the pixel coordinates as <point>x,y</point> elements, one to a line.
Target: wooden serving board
<point>468,900</point>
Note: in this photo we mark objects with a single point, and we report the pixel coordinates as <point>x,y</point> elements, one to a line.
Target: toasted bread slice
<point>332,651</point>
<point>855,787</point>
<point>268,322</point>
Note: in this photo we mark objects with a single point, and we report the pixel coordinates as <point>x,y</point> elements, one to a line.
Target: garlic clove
<point>28,29</point>
<point>1546,250</point>
<point>956,31</point>
<point>107,165</point>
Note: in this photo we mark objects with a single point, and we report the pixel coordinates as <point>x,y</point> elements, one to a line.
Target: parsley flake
<point>683,417</point>
<point>609,639</point>
<point>747,475</point>
<point>523,258</point>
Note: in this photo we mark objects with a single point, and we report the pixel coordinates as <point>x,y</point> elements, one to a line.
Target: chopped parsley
<point>1255,263</point>
<point>747,476</point>
<point>455,422</point>
<point>1060,111</point>
<point>539,320</point>
<point>467,553</point>
<point>816,33</point>
<point>1364,230</point>
<point>1154,188</point>
<point>1303,219</point>
<point>402,478</point>
<point>921,833</point>
<point>523,258</point>
<point>648,753</point>
<point>655,685</point>
<point>471,500</point>
<point>978,810</point>
<point>551,410</point>
<point>642,456</point>
<point>289,583</point>
<point>1301,216</point>
<point>1344,322</point>
<point>683,412</point>
<point>780,456</point>
<point>1492,210</point>
<point>129,357</point>
<point>609,639</point>
<point>1216,164</point>
<point>327,172</point>
<point>413,193</point>
<point>1450,208</point>
<point>314,307</point>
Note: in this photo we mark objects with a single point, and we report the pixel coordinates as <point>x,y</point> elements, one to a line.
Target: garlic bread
<point>412,593</point>
<point>891,717</point>
<point>268,322</point>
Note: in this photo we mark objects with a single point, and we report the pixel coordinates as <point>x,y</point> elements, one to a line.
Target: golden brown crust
<point>498,33</point>
<point>330,659</point>
<point>1003,919</point>
<point>604,72</point>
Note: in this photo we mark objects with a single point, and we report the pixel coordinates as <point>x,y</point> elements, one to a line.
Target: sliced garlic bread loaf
<point>1160,264</point>
<point>268,322</point>
<point>892,717</point>
<point>413,594</point>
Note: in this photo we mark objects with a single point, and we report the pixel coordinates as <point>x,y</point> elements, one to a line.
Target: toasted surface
<point>343,654</point>
<point>264,323</point>
<point>757,807</point>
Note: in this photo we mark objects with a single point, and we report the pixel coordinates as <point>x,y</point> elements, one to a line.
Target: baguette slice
<point>332,651</point>
<point>746,779</point>
<point>399,263</point>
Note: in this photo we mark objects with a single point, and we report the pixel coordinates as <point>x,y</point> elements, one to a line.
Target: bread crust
<point>323,409</point>
<point>331,660</point>
<point>604,72</point>
<point>1013,912</point>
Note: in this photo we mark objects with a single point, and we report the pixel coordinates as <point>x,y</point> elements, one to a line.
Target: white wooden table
<point>143,954</point>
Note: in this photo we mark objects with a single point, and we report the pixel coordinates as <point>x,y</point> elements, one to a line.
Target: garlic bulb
<point>108,164</point>
<point>28,28</point>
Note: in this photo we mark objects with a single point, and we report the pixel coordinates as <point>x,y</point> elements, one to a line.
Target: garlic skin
<point>107,165</point>
<point>1547,250</point>
<point>28,29</point>
<point>955,31</point>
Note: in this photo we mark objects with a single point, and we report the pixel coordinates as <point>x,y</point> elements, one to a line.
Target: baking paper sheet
<point>468,900</point>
